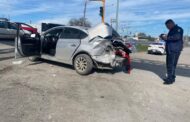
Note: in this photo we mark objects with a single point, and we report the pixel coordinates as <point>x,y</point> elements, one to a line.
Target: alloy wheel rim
<point>81,64</point>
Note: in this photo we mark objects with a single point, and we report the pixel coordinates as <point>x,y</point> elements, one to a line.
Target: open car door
<point>28,45</point>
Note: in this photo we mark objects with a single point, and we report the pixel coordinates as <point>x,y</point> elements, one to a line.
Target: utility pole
<point>85,6</point>
<point>117,16</point>
<point>104,6</point>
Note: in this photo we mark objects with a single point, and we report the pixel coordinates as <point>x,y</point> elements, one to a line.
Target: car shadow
<point>159,68</point>
<point>6,58</point>
<point>107,71</point>
<point>156,67</point>
<point>6,54</point>
<point>7,42</point>
<point>52,63</point>
<point>110,71</point>
<point>5,51</point>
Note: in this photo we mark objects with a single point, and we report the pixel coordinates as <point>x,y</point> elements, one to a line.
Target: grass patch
<point>142,48</point>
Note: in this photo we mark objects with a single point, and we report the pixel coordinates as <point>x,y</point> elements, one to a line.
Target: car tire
<point>34,58</point>
<point>83,64</point>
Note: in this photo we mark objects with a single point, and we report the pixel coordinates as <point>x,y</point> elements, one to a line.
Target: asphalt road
<point>6,50</point>
<point>47,91</point>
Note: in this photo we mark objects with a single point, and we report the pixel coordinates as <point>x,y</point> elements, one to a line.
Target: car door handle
<point>73,45</point>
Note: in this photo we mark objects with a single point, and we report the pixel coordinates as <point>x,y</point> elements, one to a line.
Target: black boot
<point>168,81</point>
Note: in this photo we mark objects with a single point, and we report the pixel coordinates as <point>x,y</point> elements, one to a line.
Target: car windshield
<point>115,34</point>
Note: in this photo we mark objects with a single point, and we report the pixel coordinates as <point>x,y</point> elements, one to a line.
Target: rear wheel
<point>83,64</point>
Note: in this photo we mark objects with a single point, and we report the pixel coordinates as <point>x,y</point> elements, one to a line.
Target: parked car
<point>47,26</point>
<point>8,30</point>
<point>157,48</point>
<point>85,49</point>
<point>27,28</point>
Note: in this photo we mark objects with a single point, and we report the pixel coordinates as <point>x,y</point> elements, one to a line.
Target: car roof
<point>4,19</point>
<point>62,26</point>
<point>103,30</point>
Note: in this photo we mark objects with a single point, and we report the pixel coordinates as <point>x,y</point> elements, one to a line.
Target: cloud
<point>16,8</point>
<point>133,13</point>
<point>148,12</point>
<point>58,20</point>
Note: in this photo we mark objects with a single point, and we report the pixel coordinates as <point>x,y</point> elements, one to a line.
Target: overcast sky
<point>135,15</point>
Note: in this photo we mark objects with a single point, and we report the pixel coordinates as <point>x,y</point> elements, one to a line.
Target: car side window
<point>72,33</point>
<point>12,26</point>
<point>3,24</point>
<point>55,33</point>
<point>83,35</point>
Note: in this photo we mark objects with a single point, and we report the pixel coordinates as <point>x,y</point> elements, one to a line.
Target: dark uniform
<point>174,46</point>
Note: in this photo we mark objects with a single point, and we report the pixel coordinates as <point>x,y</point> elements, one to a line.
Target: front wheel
<point>83,64</point>
<point>34,58</point>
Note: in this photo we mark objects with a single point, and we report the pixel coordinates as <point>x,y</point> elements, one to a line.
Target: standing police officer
<point>174,46</point>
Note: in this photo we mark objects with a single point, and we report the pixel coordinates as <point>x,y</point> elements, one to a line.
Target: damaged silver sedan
<point>85,49</point>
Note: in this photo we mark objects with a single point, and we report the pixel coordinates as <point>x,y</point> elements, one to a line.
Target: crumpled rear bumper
<point>118,62</point>
<point>104,54</point>
<point>108,61</point>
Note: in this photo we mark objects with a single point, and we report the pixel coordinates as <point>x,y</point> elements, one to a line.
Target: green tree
<point>142,35</point>
<point>145,36</point>
<point>79,22</point>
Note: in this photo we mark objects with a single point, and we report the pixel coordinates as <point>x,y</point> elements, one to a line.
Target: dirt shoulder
<point>47,91</point>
